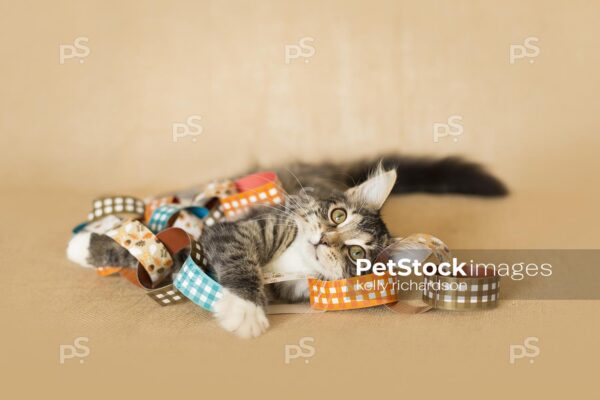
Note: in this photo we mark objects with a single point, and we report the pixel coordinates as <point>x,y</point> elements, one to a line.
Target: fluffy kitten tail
<point>429,175</point>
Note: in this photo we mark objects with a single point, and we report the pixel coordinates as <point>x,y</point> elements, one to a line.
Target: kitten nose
<point>324,240</point>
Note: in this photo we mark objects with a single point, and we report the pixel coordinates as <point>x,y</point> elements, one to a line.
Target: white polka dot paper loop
<point>117,205</point>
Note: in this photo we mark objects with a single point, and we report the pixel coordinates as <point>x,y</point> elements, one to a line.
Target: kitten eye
<point>355,252</point>
<point>338,216</point>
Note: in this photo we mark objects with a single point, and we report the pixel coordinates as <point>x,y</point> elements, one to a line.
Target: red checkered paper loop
<point>146,248</point>
<point>352,293</point>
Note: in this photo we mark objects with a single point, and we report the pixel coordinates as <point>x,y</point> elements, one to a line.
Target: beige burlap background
<point>382,74</point>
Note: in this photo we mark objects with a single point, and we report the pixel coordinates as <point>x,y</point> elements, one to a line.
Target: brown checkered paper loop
<point>117,205</point>
<point>479,291</point>
<point>464,293</point>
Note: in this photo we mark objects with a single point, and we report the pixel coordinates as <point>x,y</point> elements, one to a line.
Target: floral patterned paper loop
<point>146,248</point>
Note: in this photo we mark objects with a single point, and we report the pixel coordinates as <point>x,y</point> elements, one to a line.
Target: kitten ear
<point>375,190</point>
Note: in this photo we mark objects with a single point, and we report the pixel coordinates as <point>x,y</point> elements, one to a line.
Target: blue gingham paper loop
<point>163,215</point>
<point>194,283</point>
<point>197,286</point>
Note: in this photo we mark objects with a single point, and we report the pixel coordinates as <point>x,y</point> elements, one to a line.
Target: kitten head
<point>344,227</point>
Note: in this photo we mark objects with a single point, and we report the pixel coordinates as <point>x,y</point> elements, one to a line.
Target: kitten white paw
<point>242,317</point>
<point>78,249</point>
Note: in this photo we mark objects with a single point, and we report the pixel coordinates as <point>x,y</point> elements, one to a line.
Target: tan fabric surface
<point>49,301</point>
<point>384,72</point>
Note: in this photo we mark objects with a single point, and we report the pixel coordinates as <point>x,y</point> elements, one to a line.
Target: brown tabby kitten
<point>322,229</point>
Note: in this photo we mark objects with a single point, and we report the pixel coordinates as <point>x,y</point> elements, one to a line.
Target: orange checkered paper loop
<point>108,271</point>
<point>128,273</point>
<point>352,293</point>
<point>238,204</point>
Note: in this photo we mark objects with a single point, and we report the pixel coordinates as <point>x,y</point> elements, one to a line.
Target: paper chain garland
<point>233,199</point>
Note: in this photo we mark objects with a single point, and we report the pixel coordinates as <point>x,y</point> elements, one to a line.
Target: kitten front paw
<point>242,317</point>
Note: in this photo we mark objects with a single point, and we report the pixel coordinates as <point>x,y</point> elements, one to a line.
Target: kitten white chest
<point>296,259</point>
